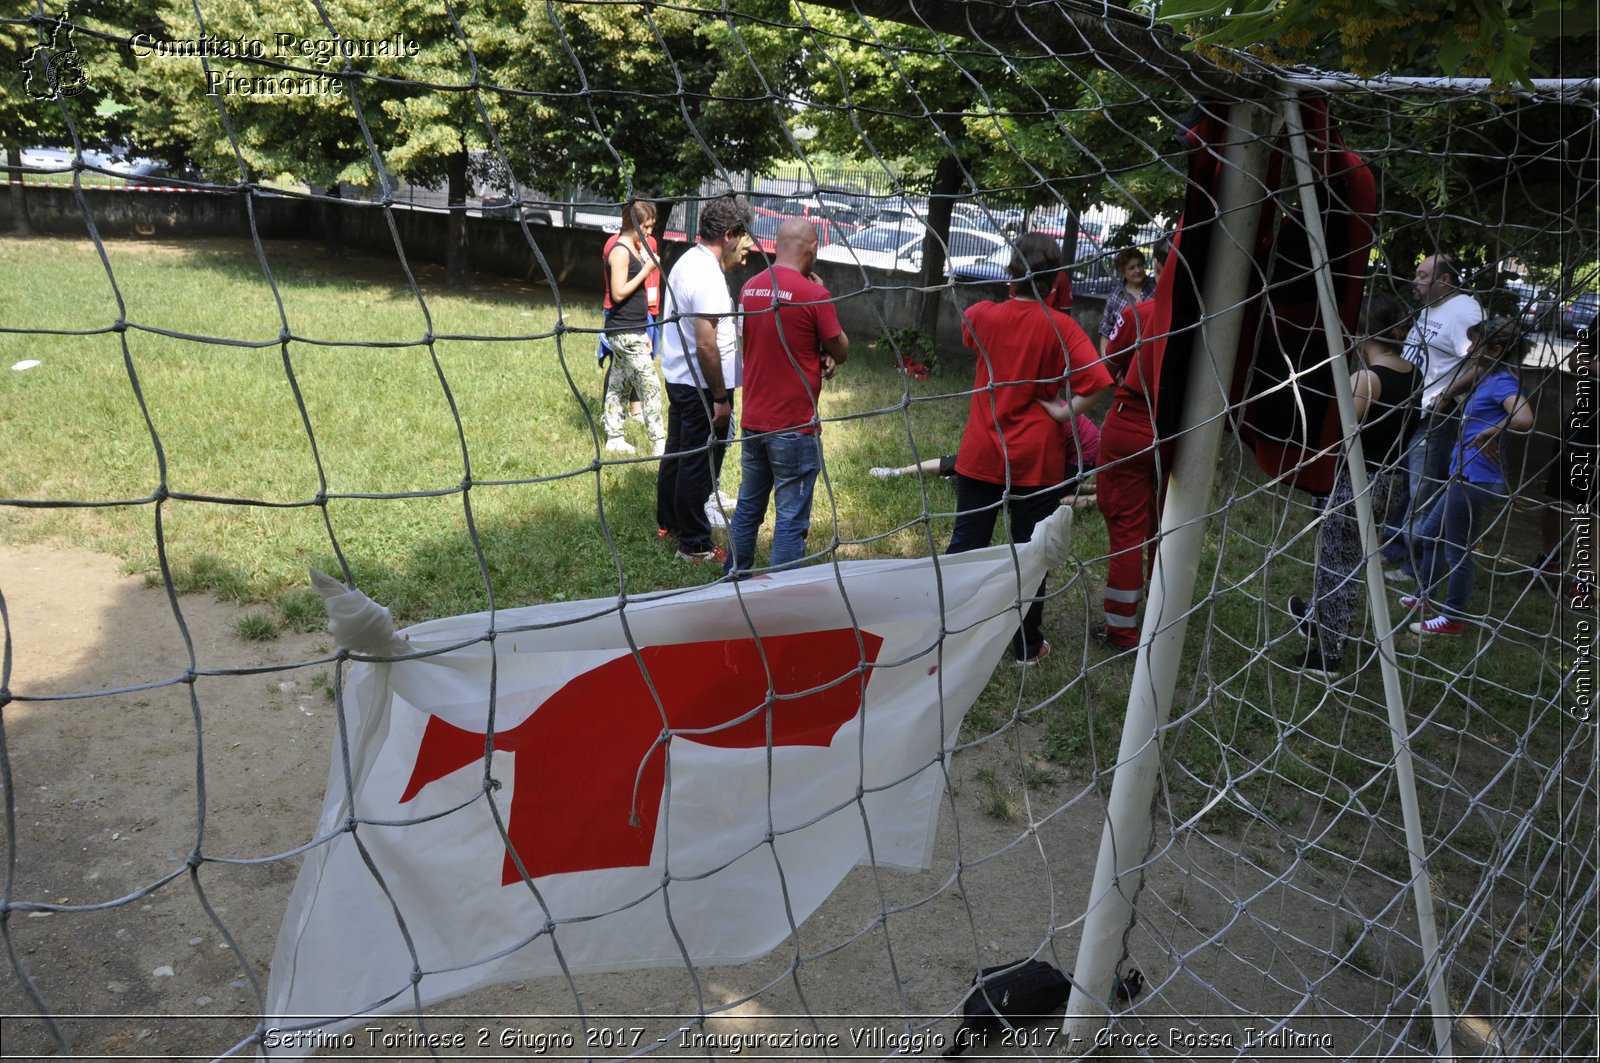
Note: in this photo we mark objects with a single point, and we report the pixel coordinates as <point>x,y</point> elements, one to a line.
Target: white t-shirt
<point>1438,341</point>
<point>697,287</point>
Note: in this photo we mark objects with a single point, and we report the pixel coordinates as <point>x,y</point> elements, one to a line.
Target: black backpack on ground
<point>1014,993</point>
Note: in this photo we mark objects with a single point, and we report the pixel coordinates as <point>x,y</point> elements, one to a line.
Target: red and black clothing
<point>1011,453</point>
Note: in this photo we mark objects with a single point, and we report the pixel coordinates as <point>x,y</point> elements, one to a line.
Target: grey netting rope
<point>1272,906</point>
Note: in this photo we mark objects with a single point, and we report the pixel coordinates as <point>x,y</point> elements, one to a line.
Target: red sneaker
<point>1413,601</point>
<point>1438,625</point>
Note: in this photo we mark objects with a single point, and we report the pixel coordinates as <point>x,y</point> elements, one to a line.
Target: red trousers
<point>1128,484</point>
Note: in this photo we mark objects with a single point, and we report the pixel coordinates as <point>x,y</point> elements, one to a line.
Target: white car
<point>897,247</point>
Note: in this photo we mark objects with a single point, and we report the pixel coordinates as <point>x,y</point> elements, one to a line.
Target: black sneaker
<point>1300,609</point>
<point>1312,662</point>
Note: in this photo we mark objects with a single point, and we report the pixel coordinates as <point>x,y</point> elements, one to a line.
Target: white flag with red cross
<point>604,783</point>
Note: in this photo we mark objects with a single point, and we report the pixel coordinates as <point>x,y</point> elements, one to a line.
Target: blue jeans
<point>1446,536</point>
<point>783,465</point>
<point>1427,469</point>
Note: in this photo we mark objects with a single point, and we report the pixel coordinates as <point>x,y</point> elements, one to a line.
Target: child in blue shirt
<point>1494,406</point>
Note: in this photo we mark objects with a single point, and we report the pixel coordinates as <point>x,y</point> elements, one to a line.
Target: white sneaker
<point>618,445</point>
<point>659,447</point>
<point>714,515</point>
<point>883,473</point>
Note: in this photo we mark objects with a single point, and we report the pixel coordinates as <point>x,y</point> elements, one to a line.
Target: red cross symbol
<point>590,748</point>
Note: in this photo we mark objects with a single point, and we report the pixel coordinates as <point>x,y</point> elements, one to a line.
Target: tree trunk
<point>333,222</point>
<point>941,201</point>
<point>1069,238</point>
<point>19,195</point>
<point>455,247</point>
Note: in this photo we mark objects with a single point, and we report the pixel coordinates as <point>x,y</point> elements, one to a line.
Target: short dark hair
<point>1035,260</point>
<point>724,214</point>
<point>1124,257</point>
<point>1443,263</point>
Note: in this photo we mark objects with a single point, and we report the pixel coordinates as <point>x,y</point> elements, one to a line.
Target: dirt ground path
<point>128,760</point>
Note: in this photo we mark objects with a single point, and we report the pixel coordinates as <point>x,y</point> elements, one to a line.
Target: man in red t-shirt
<point>792,343</point>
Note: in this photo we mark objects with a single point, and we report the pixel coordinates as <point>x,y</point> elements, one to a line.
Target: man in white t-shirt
<point>700,360</point>
<point>1437,344</point>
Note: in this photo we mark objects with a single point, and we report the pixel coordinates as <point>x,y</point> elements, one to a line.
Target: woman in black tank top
<point>632,279</point>
<point>1386,387</point>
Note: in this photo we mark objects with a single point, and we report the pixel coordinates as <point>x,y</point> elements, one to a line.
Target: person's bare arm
<point>835,352</point>
<point>709,356</point>
<point>621,284</point>
<point>1058,408</point>
<point>1088,401</point>
<point>1365,387</point>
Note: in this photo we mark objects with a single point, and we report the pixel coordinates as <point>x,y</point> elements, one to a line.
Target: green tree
<point>1508,41</point>
<point>1487,176</point>
<point>966,117</point>
<point>295,106</point>
<point>644,99</point>
<point>82,45</point>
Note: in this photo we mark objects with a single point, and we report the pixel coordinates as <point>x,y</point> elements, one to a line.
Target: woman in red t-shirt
<point>1011,451</point>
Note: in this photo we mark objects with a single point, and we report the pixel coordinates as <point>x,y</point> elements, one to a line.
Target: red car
<point>764,229</point>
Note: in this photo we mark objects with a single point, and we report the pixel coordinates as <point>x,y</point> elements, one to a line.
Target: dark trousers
<point>692,462</point>
<point>978,506</point>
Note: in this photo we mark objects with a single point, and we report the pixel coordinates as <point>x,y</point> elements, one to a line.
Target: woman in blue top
<point>1477,484</point>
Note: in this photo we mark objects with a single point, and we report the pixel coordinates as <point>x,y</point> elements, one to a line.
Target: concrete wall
<point>871,300</point>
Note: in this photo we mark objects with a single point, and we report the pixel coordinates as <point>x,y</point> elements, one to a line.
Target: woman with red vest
<point>1011,454</point>
<point>633,299</point>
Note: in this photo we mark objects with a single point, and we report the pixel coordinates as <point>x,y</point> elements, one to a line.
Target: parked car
<point>764,225</point>
<point>974,216</point>
<point>847,209</point>
<point>1580,313</point>
<point>996,267</point>
<point>499,205</point>
<point>1011,219</point>
<point>120,161</point>
<point>1537,307</point>
<point>899,247</point>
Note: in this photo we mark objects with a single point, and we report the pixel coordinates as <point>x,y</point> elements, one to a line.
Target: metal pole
<point>1377,598</point>
<point>1126,837</point>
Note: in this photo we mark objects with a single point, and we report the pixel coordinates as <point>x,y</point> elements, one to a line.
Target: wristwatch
<point>724,397</point>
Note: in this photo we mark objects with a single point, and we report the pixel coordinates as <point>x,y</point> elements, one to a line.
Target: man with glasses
<point>700,360</point>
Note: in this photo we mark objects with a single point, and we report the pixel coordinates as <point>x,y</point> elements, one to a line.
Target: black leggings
<point>977,509</point>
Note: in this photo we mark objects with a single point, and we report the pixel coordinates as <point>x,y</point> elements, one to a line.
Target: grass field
<point>444,444</point>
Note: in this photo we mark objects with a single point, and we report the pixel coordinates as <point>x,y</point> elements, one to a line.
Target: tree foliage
<point>100,109</point>
<point>1506,40</point>
<point>1046,132</point>
<point>648,99</point>
<point>1487,180</point>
